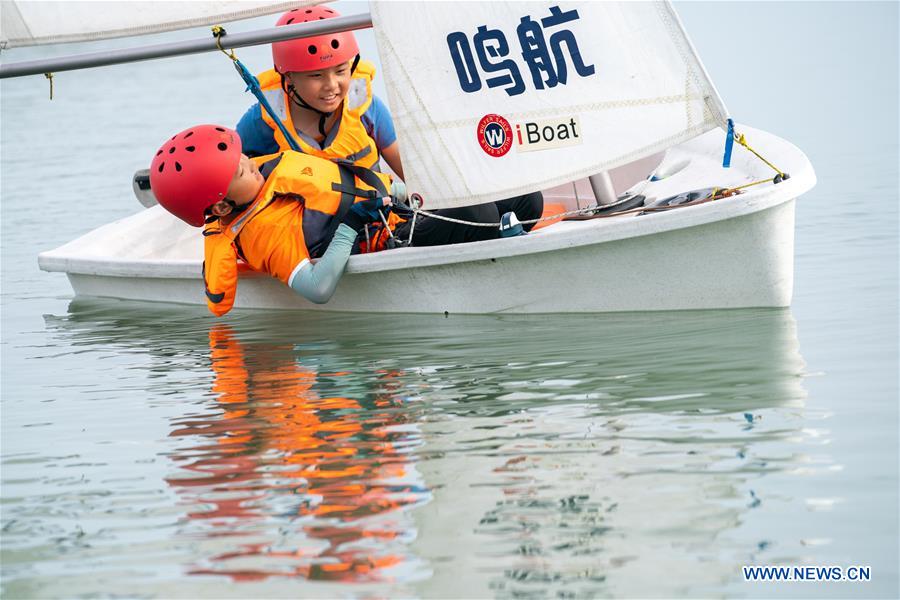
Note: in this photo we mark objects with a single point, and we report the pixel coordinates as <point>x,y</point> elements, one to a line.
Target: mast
<point>237,40</point>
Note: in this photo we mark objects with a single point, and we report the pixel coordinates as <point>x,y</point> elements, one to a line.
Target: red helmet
<point>192,171</point>
<point>312,53</point>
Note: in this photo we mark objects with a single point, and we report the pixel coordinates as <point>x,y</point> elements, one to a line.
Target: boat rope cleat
<point>510,225</point>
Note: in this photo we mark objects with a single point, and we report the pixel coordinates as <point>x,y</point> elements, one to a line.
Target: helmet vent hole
<point>159,152</point>
<point>312,49</point>
<point>219,129</point>
<point>172,149</point>
<point>335,44</point>
<point>222,146</point>
<point>190,148</point>
<point>188,134</point>
<point>308,11</point>
<point>161,166</point>
<point>178,166</point>
<point>289,21</point>
<point>320,18</point>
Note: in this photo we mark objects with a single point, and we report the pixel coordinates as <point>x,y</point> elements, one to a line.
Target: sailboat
<point>655,198</point>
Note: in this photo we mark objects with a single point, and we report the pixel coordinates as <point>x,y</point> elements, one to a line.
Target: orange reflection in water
<point>306,486</point>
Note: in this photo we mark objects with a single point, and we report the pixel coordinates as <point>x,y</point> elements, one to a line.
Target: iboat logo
<point>494,135</point>
<point>545,135</point>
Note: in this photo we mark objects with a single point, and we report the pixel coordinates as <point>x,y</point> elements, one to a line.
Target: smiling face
<point>325,89</point>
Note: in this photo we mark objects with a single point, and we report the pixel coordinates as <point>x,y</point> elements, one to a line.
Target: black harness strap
<point>367,176</point>
<point>354,191</point>
<point>345,187</point>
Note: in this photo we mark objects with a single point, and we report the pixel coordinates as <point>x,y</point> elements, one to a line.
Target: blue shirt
<point>258,139</point>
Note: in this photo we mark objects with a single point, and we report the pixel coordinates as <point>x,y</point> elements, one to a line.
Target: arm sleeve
<point>257,138</point>
<point>379,124</point>
<point>317,282</point>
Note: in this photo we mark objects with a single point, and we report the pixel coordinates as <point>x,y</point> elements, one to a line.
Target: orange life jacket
<point>351,141</point>
<point>291,219</point>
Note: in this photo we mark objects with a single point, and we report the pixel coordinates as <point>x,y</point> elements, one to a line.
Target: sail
<point>24,23</point>
<point>495,99</point>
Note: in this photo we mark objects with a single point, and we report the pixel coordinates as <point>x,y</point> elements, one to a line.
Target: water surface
<point>155,451</point>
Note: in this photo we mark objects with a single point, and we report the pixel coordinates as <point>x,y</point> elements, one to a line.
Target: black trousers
<point>435,232</point>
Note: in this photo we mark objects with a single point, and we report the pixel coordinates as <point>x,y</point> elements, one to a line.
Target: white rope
<point>570,213</point>
<point>633,192</point>
<point>562,215</point>
<point>479,224</point>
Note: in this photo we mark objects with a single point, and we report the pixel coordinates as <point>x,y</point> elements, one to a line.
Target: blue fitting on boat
<point>253,85</point>
<point>729,144</point>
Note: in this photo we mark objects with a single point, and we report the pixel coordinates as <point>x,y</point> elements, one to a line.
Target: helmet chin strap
<point>299,101</point>
<point>295,97</point>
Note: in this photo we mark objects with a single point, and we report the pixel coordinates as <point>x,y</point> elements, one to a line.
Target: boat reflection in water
<point>472,456</point>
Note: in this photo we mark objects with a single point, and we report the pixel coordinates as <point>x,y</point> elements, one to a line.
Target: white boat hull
<point>732,253</point>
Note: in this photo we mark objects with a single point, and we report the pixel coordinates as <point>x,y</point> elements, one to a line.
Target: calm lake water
<point>154,451</point>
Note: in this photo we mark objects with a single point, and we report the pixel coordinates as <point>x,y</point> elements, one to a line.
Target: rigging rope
<point>253,85</point>
<point>717,194</point>
<point>742,140</point>
<point>732,136</point>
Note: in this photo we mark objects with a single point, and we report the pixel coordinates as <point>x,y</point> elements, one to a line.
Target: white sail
<point>54,22</point>
<point>495,99</point>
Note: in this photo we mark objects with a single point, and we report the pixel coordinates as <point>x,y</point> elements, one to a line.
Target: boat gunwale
<point>570,235</point>
<point>560,236</point>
